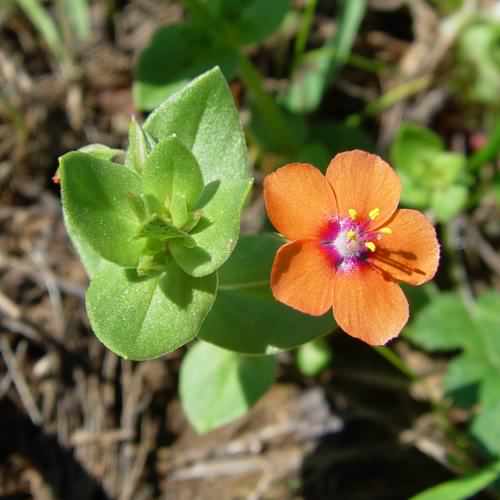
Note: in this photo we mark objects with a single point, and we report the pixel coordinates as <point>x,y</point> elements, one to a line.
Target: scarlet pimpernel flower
<point>349,246</point>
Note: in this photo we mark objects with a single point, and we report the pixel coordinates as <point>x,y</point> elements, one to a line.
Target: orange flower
<point>349,245</point>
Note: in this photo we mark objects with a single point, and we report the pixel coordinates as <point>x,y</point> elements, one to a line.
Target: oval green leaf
<point>246,318</point>
<point>96,207</point>
<point>205,120</point>
<point>218,386</point>
<point>216,234</point>
<point>172,168</point>
<point>442,325</point>
<point>254,20</point>
<point>143,318</point>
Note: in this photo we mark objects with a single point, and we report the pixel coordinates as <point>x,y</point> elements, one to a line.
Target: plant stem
<point>390,356</point>
<point>303,34</point>
<point>272,117</point>
<point>397,94</point>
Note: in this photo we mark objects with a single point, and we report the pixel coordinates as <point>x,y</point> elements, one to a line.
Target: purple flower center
<point>348,242</point>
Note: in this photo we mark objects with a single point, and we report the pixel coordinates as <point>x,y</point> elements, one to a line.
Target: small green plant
<point>432,177</point>
<point>446,324</point>
<point>161,224</point>
<point>478,62</point>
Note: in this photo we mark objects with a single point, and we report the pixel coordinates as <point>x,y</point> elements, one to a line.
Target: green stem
<point>272,117</point>
<point>390,98</point>
<point>390,356</point>
<point>46,26</point>
<point>397,94</point>
<point>303,34</point>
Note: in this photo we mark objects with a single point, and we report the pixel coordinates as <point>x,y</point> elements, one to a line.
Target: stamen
<point>371,246</point>
<point>385,230</point>
<point>353,213</point>
<point>351,235</point>
<point>373,214</point>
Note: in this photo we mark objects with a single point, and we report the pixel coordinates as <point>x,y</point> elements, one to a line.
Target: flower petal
<point>299,200</point>
<point>302,277</point>
<point>411,252</point>
<point>368,305</point>
<point>364,182</point>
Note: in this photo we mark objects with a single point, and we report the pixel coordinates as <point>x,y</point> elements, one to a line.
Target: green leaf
<point>478,66</point>
<point>177,54</point>
<point>487,321</point>
<point>78,13</point>
<point>442,325</point>
<point>92,261</point>
<point>45,26</point>
<point>472,378</point>
<point>140,146</point>
<point>97,211</point>
<point>463,378</point>
<point>411,139</point>
<point>445,169</point>
<point>218,386</point>
<point>486,427</point>
<point>428,173</point>
<point>411,154</point>
<point>101,151</point>
<point>172,168</point>
<point>464,487</point>
<point>449,202</point>
<point>205,120</point>
<point>179,211</point>
<point>318,68</point>
<point>253,20</point>
<point>313,357</point>
<point>246,318</point>
<point>142,318</point>
<point>316,154</point>
<point>215,235</point>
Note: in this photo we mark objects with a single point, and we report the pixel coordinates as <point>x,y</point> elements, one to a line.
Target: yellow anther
<point>371,246</point>
<point>385,230</point>
<point>373,214</point>
<point>353,213</point>
<point>351,235</point>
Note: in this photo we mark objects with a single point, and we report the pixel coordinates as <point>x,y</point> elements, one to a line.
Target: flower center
<point>348,241</point>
